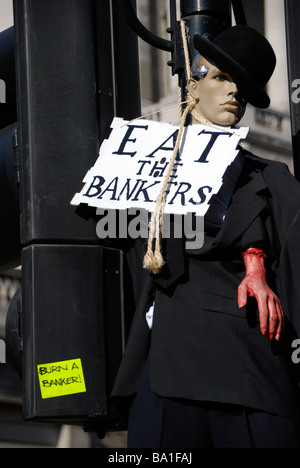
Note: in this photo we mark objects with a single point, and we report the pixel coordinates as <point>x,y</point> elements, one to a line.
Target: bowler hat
<point>246,55</point>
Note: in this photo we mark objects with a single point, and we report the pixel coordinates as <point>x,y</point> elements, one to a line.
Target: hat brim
<point>248,86</point>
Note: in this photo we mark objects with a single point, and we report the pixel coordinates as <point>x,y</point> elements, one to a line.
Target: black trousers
<point>158,422</point>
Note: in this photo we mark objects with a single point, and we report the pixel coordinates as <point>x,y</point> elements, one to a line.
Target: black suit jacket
<point>202,346</point>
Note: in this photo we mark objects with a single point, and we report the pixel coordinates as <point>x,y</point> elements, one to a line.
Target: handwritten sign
<point>133,163</point>
<point>61,378</point>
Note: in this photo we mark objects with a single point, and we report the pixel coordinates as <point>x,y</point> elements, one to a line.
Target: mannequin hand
<point>269,307</point>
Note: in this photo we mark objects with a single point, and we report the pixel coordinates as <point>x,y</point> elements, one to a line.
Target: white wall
<point>276,34</point>
<point>6,14</point>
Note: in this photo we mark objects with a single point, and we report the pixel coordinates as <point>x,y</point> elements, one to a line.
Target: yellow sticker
<point>61,378</point>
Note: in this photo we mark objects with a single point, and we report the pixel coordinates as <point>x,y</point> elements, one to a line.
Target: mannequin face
<point>217,97</point>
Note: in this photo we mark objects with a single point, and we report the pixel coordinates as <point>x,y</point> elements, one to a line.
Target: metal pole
<point>205,17</point>
<point>210,16</point>
<point>154,53</point>
<point>239,12</point>
<point>292,17</point>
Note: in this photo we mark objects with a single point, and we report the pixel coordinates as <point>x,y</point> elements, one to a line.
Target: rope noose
<point>153,259</point>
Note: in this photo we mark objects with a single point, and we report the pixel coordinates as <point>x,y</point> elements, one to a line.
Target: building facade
<point>270,130</point>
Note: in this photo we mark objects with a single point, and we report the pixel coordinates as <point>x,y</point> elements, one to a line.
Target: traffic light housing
<point>71,80</point>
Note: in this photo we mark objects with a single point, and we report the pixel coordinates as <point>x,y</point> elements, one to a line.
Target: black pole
<point>292,15</point>
<point>239,12</point>
<point>8,105</point>
<point>154,53</point>
<point>205,17</point>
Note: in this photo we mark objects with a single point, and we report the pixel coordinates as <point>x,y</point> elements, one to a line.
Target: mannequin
<point>218,102</point>
<point>205,375</point>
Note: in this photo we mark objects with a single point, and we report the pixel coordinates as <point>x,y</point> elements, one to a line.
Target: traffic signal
<point>73,75</point>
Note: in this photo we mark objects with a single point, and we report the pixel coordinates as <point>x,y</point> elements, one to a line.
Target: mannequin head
<point>216,94</point>
<point>245,55</point>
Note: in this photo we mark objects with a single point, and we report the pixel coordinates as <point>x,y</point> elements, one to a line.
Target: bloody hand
<point>255,285</point>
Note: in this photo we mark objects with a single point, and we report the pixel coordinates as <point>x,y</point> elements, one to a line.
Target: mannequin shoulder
<point>269,168</point>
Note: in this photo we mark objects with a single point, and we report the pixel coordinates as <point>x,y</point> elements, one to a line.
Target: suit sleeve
<point>285,208</point>
<point>284,202</point>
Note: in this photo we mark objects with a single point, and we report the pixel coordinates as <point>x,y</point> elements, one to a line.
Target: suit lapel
<point>245,206</point>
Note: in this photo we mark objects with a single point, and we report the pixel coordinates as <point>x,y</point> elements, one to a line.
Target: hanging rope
<point>153,259</point>
<point>186,49</point>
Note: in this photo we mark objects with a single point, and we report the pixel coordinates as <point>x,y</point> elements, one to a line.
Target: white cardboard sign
<point>133,162</point>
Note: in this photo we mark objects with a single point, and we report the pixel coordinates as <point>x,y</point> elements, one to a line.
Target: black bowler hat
<point>246,55</point>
